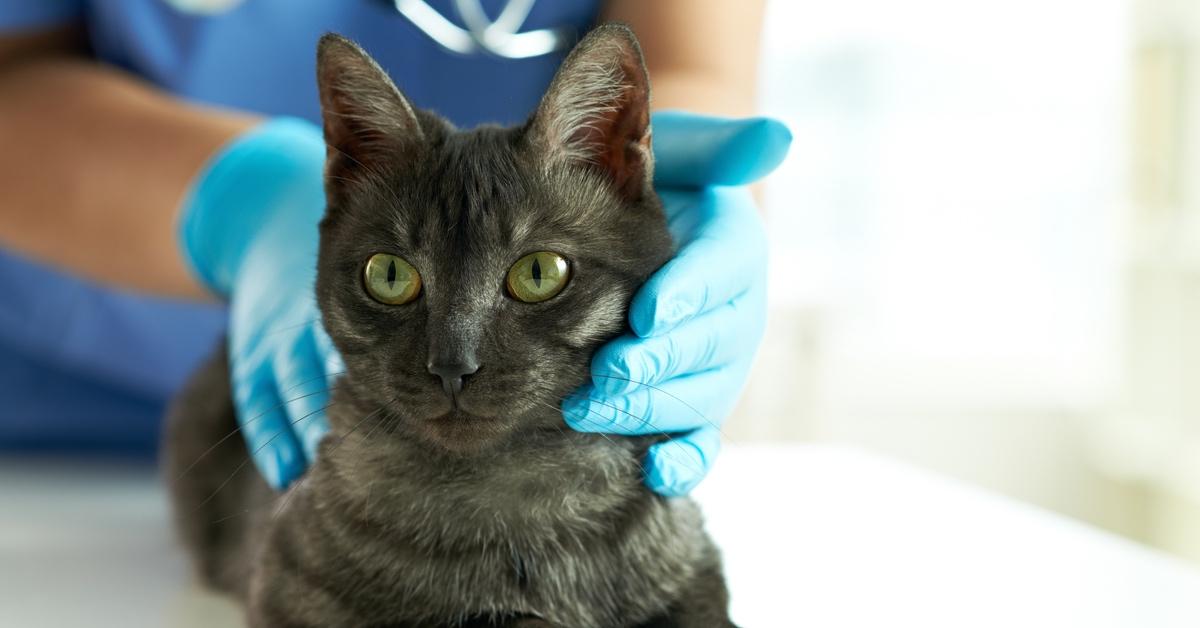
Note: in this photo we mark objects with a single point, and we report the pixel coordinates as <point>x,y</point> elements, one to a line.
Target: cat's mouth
<point>465,432</point>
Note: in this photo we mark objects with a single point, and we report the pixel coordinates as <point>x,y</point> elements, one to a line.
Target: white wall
<point>956,275</point>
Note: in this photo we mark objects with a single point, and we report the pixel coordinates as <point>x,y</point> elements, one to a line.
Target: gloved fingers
<point>725,258</point>
<point>677,405</point>
<point>675,467</point>
<point>304,392</point>
<point>692,150</point>
<point>267,429</point>
<point>711,340</point>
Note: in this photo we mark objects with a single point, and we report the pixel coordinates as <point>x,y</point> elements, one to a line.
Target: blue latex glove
<point>249,230</point>
<point>698,321</point>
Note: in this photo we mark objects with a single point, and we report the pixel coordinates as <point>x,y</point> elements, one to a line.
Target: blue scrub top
<point>86,367</point>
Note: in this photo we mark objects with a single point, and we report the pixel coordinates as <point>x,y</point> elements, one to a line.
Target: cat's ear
<point>597,111</point>
<point>369,124</point>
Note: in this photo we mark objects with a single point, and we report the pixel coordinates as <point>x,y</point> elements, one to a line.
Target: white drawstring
<point>498,37</point>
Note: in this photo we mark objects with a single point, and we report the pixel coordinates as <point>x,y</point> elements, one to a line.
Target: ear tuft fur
<point>366,118</point>
<point>597,110</point>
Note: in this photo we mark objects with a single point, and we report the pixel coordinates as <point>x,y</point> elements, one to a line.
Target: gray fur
<point>482,509</point>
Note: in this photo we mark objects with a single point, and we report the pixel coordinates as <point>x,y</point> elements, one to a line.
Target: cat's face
<point>467,277</point>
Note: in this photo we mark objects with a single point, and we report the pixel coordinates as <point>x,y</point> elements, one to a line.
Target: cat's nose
<point>453,374</point>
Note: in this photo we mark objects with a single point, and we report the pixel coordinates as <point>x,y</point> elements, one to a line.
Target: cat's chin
<point>465,433</point>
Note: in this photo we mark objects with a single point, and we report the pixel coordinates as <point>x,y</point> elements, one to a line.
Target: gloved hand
<point>249,230</point>
<point>698,321</point>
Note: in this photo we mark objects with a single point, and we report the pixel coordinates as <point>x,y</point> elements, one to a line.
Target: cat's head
<point>468,276</point>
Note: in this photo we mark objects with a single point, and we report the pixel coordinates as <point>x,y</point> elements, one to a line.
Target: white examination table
<point>813,536</point>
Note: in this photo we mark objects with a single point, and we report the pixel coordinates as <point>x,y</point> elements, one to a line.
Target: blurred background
<point>986,254</point>
<point>985,262</point>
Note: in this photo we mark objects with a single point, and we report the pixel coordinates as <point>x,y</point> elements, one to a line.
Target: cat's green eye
<point>538,276</point>
<point>391,280</point>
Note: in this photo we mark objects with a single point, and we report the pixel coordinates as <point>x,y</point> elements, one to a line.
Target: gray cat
<point>466,277</point>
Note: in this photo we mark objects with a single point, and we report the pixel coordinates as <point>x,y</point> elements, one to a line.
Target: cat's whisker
<point>367,507</point>
<point>372,430</point>
<point>698,469</point>
<point>396,422</point>
<point>296,487</point>
<point>687,405</point>
<point>237,429</point>
<point>313,379</point>
<point>249,510</point>
<point>280,329</point>
<point>284,403</point>
<point>602,434</point>
<point>646,422</point>
<point>242,465</point>
<point>241,513</point>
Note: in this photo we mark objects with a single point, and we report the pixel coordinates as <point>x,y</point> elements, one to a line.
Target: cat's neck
<point>538,484</point>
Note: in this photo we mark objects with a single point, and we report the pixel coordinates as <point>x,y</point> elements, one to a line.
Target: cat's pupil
<point>391,273</point>
<point>536,270</point>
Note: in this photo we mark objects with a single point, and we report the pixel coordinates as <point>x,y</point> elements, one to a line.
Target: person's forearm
<point>702,55</point>
<point>93,166</point>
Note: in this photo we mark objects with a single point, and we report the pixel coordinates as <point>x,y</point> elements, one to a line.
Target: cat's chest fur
<point>557,524</point>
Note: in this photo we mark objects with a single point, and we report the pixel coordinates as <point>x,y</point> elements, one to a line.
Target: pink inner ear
<point>620,138</point>
<point>367,120</point>
<point>347,131</point>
